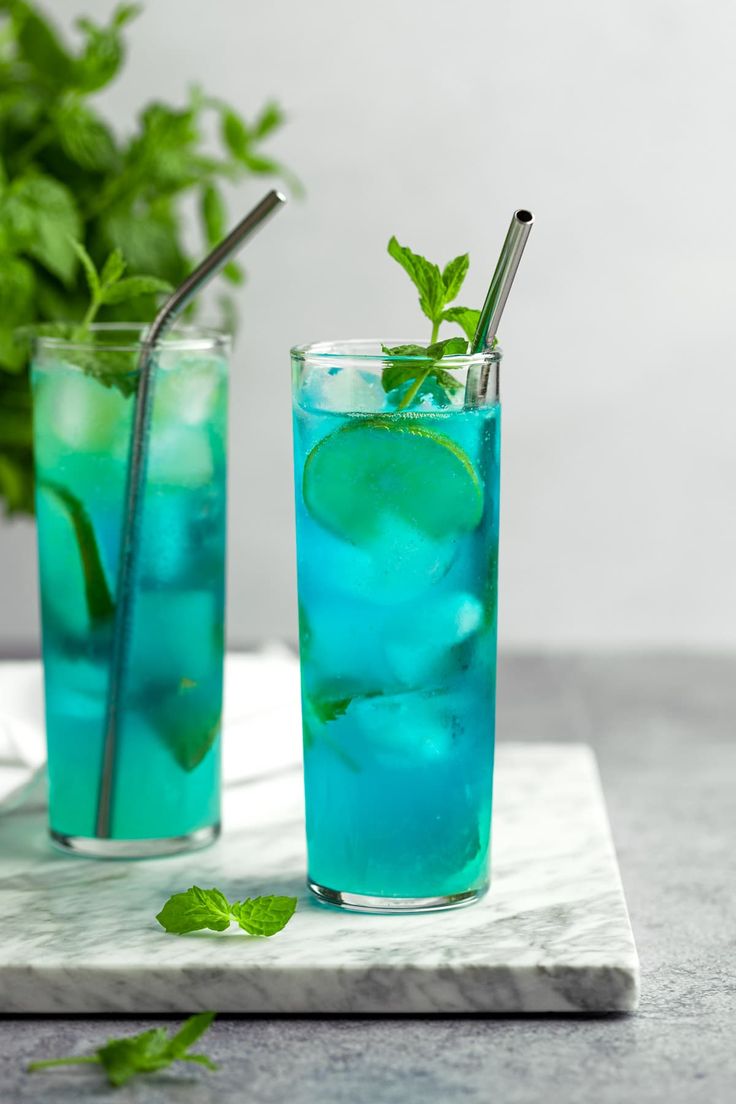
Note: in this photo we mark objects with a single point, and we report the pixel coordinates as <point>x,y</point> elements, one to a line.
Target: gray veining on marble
<point>552,936</point>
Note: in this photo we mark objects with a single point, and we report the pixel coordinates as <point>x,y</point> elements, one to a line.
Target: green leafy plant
<point>197,909</point>
<point>414,370</point>
<point>66,178</point>
<point>149,1052</point>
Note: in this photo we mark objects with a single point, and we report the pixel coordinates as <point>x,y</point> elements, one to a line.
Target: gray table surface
<point>663,729</point>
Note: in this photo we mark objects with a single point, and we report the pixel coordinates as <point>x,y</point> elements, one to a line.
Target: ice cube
<point>399,564</point>
<point>399,730</point>
<point>77,412</point>
<point>342,389</point>
<point>421,643</point>
<point>180,455</point>
<point>189,391</point>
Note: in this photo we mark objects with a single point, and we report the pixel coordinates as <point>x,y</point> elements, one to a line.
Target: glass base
<point>358,902</point>
<point>94,847</point>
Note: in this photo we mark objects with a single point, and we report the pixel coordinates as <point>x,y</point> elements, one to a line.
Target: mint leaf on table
<point>413,370</point>
<point>195,910</point>
<point>147,1052</point>
<point>209,908</point>
<point>264,915</point>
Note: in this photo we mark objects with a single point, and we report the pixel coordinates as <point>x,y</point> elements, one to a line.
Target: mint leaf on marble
<point>264,915</point>
<point>148,1052</point>
<point>194,910</point>
<point>209,908</point>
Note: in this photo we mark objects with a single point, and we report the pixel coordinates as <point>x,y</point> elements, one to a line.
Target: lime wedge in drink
<point>376,468</point>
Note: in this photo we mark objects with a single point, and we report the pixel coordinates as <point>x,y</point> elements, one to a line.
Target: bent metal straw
<point>498,292</point>
<point>136,477</point>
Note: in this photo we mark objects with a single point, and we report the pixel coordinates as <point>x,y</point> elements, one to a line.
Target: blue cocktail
<point>397,530</point>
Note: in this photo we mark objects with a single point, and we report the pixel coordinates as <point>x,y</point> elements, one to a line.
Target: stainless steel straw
<point>136,478</point>
<point>498,292</point>
<point>503,278</point>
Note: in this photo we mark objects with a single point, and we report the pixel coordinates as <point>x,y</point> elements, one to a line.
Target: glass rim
<point>341,350</point>
<point>186,338</point>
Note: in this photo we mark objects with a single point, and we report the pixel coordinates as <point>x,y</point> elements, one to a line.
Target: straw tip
<point>522,215</point>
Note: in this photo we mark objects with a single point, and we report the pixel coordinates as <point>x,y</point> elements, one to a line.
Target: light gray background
<point>433,120</point>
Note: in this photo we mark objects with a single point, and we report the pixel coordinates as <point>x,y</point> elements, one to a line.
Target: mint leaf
<point>425,276</point>
<point>235,134</point>
<point>418,365</point>
<point>450,346</point>
<point>264,915</point>
<point>84,138</point>
<point>270,119</point>
<point>194,910</point>
<point>100,604</point>
<point>90,272</point>
<point>45,216</point>
<point>113,268</point>
<point>17,289</point>
<point>104,51</point>
<point>42,49</point>
<point>453,276</point>
<point>132,287</point>
<point>189,1032</point>
<point>147,1052</point>
<point>465,318</point>
<point>185,721</point>
<point>212,210</point>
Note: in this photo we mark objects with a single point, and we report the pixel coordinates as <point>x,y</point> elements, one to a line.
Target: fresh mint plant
<point>149,1052</point>
<point>414,370</point>
<point>66,175</point>
<point>197,909</point>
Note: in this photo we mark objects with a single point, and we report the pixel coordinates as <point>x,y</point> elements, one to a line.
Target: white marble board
<point>553,934</point>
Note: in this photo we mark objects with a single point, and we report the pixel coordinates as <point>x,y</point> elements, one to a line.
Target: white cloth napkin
<point>261,722</point>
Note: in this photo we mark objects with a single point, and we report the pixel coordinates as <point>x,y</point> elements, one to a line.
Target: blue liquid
<point>168,766</point>
<point>398,658</point>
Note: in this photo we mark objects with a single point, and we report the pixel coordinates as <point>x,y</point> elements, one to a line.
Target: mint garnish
<point>148,1052</point>
<point>264,915</point>
<point>416,368</point>
<point>108,287</point>
<point>197,909</point>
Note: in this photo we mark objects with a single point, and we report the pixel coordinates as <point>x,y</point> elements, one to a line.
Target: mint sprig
<point>149,1052</point>
<point>416,368</point>
<point>107,287</point>
<point>197,909</point>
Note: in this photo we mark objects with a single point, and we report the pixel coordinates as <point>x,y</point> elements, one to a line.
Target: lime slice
<point>375,468</point>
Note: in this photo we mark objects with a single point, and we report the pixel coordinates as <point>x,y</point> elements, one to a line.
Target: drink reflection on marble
<point>166,794</point>
<point>397,531</point>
